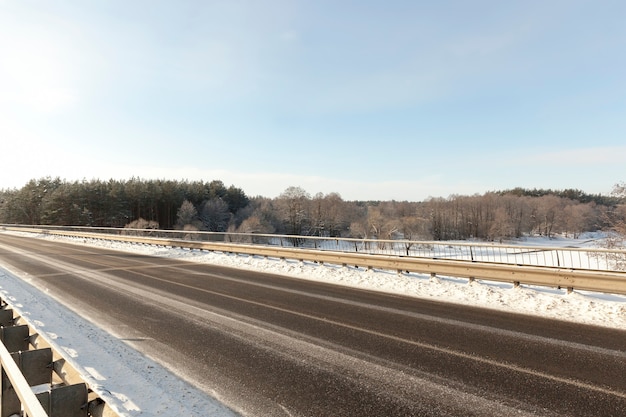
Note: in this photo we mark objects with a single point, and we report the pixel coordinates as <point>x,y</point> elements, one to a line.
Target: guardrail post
<point>6,317</point>
<point>15,338</point>
<point>36,365</point>
<point>9,401</point>
<point>66,401</point>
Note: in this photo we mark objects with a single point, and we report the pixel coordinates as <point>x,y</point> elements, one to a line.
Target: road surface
<point>269,345</point>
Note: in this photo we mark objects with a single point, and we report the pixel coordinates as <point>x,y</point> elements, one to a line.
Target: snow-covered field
<point>137,386</point>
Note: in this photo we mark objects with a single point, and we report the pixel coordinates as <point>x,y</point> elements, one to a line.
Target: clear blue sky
<point>371,99</point>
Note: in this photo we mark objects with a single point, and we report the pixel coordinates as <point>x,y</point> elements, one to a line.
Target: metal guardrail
<point>597,259</point>
<point>36,380</point>
<point>600,280</point>
<point>16,382</point>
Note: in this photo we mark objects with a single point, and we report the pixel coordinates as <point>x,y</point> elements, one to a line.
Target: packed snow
<point>135,385</point>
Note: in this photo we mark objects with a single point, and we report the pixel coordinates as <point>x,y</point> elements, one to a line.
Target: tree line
<point>111,203</point>
<point>212,206</point>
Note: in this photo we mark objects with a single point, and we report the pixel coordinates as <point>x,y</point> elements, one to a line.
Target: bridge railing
<point>488,264</point>
<point>595,258</point>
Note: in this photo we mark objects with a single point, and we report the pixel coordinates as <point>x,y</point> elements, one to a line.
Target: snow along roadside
<point>607,310</point>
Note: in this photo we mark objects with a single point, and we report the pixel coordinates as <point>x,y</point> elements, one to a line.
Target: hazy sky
<point>371,99</point>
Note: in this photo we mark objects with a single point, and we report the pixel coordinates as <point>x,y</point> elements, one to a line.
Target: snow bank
<point>600,309</point>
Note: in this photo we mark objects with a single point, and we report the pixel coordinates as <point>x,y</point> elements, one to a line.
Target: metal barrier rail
<point>570,278</point>
<point>575,258</point>
<point>22,390</point>
<point>36,380</point>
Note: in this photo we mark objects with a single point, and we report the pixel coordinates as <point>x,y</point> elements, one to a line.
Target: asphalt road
<point>269,345</point>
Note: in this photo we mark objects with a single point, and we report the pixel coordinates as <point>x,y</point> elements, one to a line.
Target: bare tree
<point>141,223</point>
<point>253,225</point>
<point>383,227</point>
<point>215,215</point>
<point>549,214</point>
<point>293,205</point>
<point>502,226</point>
<point>578,218</point>
<point>269,219</point>
<point>618,218</point>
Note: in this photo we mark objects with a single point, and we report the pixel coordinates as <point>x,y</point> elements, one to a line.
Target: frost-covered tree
<point>293,205</point>
<point>215,215</point>
<point>618,215</point>
<point>187,215</point>
<point>141,223</point>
